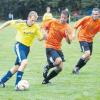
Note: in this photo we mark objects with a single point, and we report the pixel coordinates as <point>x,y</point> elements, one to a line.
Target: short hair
<point>96,9</point>
<point>65,12</point>
<point>33,13</point>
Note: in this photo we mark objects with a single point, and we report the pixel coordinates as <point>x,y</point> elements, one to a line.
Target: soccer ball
<point>23,85</point>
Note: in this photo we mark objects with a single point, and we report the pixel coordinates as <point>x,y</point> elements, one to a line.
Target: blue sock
<point>6,77</point>
<point>18,77</point>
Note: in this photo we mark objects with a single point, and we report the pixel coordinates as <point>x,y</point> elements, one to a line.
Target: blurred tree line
<point>20,8</point>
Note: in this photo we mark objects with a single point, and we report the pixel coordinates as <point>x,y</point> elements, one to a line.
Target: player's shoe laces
<point>45,72</point>
<point>75,70</point>
<point>2,84</point>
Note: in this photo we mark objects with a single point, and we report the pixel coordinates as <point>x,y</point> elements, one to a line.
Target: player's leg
<point>53,73</point>
<point>46,69</point>
<point>58,63</point>
<point>22,52</point>
<point>8,75</point>
<point>49,65</point>
<point>87,49</point>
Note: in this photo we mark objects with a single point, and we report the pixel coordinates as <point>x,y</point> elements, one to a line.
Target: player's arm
<point>20,21</point>
<point>81,22</point>
<point>44,32</point>
<point>68,40</point>
<point>5,25</point>
<point>70,35</point>
<point>42,36</point>
<point>44,29</point>
<point>11,22</point>
<point>41,33</point>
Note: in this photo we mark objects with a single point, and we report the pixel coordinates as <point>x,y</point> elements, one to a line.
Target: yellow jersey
<point>26,34</point>
<point>47,16</point>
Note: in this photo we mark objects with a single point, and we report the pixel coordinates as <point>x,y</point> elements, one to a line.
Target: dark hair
<point>65,13</point>
<point>96,9</point>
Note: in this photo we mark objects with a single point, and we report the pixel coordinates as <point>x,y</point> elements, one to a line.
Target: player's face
<point>48,9</point>
<point>32,19</point>
<point>63,18</point>
<point>95,15</point>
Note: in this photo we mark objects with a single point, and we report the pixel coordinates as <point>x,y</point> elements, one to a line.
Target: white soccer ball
<point>23,85</point>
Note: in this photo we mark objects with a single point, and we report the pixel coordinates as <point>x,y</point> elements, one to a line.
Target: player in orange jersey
<point>57,29</point>
<point>88,27</point>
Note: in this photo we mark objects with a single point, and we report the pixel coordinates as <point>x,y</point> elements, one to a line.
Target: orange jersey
<point>56,32</point>
<point>87,28</point>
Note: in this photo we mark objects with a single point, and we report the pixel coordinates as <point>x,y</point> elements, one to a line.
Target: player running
<point>88,27</point>
<point>48,15</point>
<point>57,29</point>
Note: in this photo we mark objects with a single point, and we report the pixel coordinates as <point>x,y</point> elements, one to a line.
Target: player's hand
<point>68,40</point>
<point>45,36</point>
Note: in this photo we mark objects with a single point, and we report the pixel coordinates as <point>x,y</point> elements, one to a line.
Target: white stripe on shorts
<point>18,53</point>
<point>83,48</point>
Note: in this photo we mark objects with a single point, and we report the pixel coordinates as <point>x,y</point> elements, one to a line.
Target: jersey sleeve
<point>46,25</point>
<point>97,29</point>
<point>16,23</point>
<point>80,22</point>
<point>47,16</point>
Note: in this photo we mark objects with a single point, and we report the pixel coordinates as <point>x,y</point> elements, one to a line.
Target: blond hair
<point>33,13</point>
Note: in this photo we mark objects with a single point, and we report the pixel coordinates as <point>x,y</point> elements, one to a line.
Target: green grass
<point>66,86</point>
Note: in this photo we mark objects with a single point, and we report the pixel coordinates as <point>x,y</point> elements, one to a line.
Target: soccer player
<point>27,31</point>
<point>88,27</point>
<point>48,15</point>
<point>56,29</point>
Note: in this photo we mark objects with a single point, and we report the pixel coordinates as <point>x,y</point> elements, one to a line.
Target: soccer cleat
<point>46,69</point>
<point>75,71</point>
<point>16,88</point>
<point>2,84</point>
<point>46,82</point>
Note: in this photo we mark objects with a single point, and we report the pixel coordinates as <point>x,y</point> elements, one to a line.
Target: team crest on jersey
<point>28,31</point>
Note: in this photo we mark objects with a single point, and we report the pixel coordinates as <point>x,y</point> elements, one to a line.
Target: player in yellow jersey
<point>48,15</point>
<point>27,30</point>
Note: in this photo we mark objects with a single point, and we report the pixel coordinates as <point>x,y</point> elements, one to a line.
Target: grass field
<point>65,86</point>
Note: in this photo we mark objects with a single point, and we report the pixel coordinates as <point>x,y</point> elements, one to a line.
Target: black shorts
<point>53,54</point>
<point>85,46</point>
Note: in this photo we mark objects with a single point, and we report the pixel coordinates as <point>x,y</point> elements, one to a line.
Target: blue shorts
<point>85,46</point>
<point>53,54</point>
<point>21,51</point>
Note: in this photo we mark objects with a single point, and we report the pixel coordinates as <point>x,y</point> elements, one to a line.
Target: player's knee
<point>24,62</point>
<point>58,61</point>
<point>87,54</point>
<point>23,65</point>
